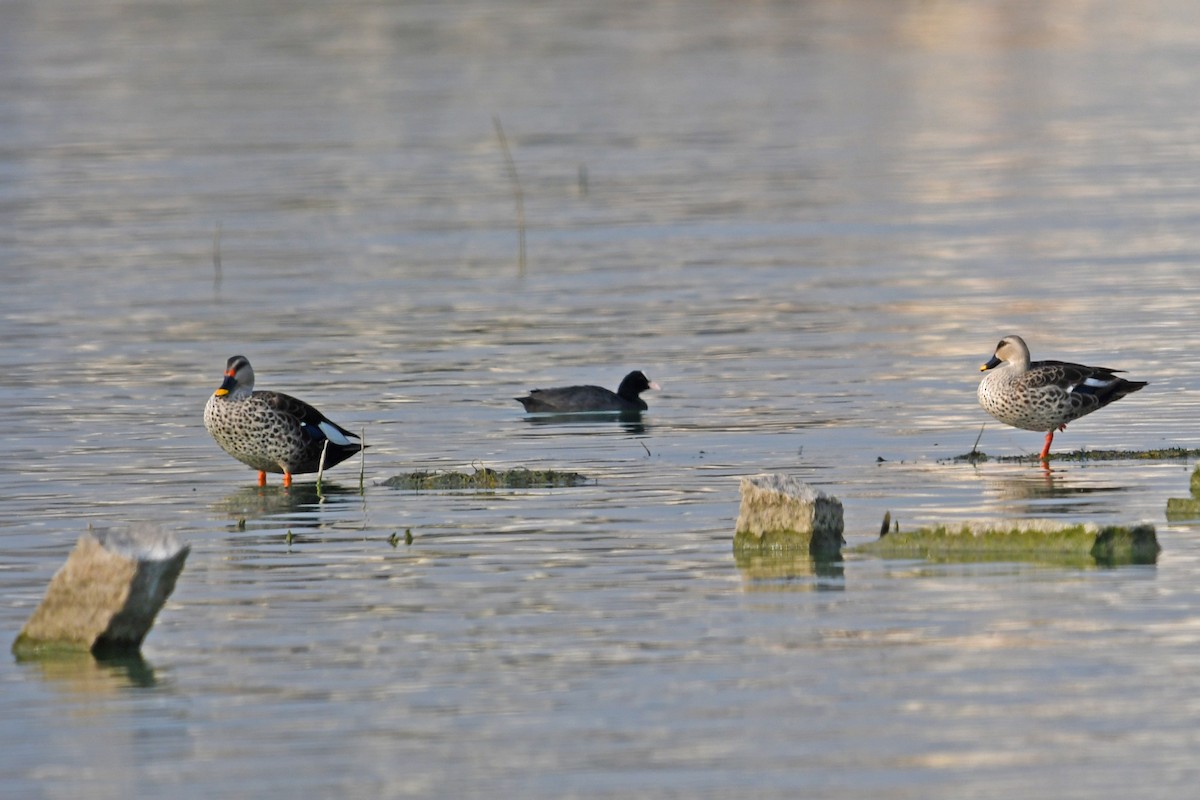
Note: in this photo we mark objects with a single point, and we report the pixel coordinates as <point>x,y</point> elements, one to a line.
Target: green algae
<point>1181,508</point>
<point>821,545</point>
<point>485,478</point>
<point>1155,454</point>
<point>1080,545</point>
<point>28,648</point>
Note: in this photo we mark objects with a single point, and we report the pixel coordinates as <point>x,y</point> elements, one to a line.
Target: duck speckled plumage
<point>270,431</point>
<point>1045,395</point>
<point>573,399</point>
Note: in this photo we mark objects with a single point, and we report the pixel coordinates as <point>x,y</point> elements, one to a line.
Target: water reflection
<point>1039,492</point>
<point>629,421</point>
<point>789,571</point>
<point>258,502</point>
<point>81,673</point>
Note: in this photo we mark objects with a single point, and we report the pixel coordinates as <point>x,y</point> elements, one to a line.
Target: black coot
<point>569,399</point>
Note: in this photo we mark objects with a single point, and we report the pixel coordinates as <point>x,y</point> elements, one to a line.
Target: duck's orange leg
<point>287,479</point>
<point>1045,456</point>
<point>262,478</point>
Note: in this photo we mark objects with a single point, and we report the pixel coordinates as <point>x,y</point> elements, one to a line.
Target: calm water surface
<point>809,222</point>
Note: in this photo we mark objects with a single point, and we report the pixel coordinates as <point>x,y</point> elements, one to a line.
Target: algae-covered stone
<point>1180,508</point>
<point>1185,508</point>
<point>486,478</point>
<point>107,594</point>
<point>779,512</point>
<point>1118,544</point>
<point>1027,540</point>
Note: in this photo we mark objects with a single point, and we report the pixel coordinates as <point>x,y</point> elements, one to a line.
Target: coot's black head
<point>634,384</point>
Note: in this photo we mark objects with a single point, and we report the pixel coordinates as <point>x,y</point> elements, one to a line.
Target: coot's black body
<point>572,399</point>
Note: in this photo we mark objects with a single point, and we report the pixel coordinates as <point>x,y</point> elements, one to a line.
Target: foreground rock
<point>105,598</point>
<point>779,512</point>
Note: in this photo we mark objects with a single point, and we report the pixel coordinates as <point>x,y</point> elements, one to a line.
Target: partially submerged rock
<point>1179,508</point>
<point>1026,540</point>
<point>779,512</point>
<point>105,597</point>
<point>486,478</point>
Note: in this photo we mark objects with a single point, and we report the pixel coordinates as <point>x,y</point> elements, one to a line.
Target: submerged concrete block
<point>1179,508</point>
<point>107,594</point>
<point>1042,541</point>
<point>779,512</point>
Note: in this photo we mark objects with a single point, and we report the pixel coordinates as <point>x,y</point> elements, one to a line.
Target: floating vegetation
<point>1029,540</point>
<point>1157,454</point>
<point>394,539</point>
<point>486,478</point>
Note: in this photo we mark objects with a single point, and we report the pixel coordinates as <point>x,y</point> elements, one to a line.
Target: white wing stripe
<point>332,433</point>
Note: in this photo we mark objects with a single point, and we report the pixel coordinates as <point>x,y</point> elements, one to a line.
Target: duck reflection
<point>257,502</point>
<point>629,421</point>
<point>1045,492</point>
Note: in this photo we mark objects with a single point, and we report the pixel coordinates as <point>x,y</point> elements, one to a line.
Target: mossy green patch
<point>824,545</point>
<point>25,647</point>
<point>486,479</point>
<point>1179,508</point>
<point>1157,454</point>
<point>1034,541</point>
